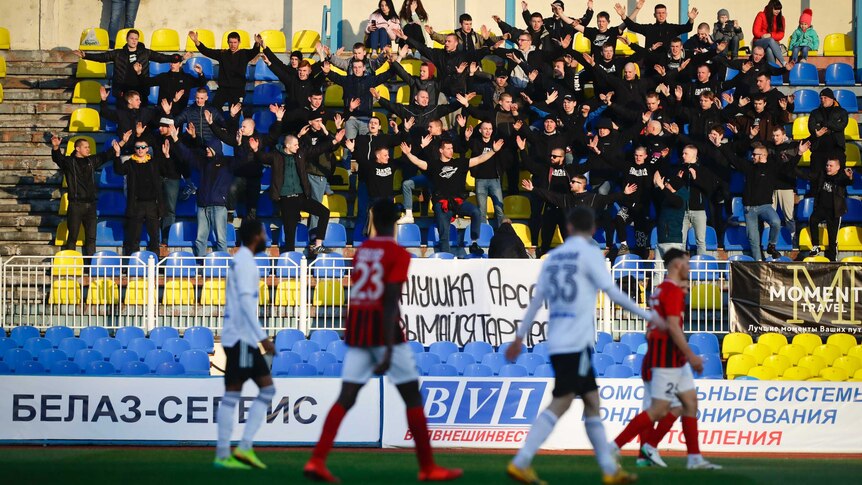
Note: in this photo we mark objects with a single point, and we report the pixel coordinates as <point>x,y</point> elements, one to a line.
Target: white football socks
<point>256,416</point>
<point>224,419</point>
<point>539,432</point>
<point>596,433</point>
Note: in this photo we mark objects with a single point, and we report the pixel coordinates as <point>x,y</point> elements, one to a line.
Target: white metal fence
<point>183,291</point>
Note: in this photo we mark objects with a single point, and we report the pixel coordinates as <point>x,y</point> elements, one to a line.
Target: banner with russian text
<point>791,298</point>
<point>173,410</point>
<point>470,300</point>
<point>739,416</point>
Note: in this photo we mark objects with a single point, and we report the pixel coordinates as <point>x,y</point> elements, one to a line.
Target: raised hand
<point>552,96</point>
<point>179,94</point>
<point>692,14</point>
<point>474,68</point>
<point>103,93</point>
<point>743,101</point>
<point>498,144</point>
<point>350,145</point>
<point>78,53</point>
<point>521,142</point>
<point>55,141</point>
<point>405,148</point>
<point>655,46</point>
<point>187,56</point>
<point>139,129</point>
<point>116,146</point>
<point>732,127</point>
<point>194,37</point>
<point>677,91</point>
<point>753,131</point>
<point>462,67</point>
<point>259,41</point>
<point>746,66</point>
<point>339,121</point>
<point>630,189</point>
<point>589,59</point>
<point>374,93</point>
<point>235,109</point>
<point>254,144</point>
<point>138,68</point>
<point>462,99</point>
<point>190,129</point>
<point>566,42</point>
<point>849,172</point>
<point>462,120</point>
<point>782,103</point>
<point>468,132</point>
<point>533,75</point>
<point>409,122</point>
<point>804,146</point>
<point>167,106</point>
<point>821,131</point>
<point>426,140</point>
<point>658,180</point>
<point>174,132</point>
<point>524,5</point>
<point>625,40</point>
<point>518,125</point>
<point>304,130</point>
<point>208,116</point>
<point>727,97</point>
<point>620,10</point>
<point>646,116</point>
<point>127,136</point>
<point>684,64</point>
<point>660,70</point>
<point>693,173</point>
<point>495,18</point>
<point>166,149</point>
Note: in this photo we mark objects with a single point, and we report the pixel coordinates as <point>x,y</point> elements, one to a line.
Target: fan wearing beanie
<point>804,38</point>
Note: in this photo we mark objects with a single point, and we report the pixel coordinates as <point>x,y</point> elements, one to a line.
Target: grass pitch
<point>191,466</point>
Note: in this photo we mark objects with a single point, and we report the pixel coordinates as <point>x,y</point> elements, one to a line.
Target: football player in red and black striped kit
<point>376,345</point>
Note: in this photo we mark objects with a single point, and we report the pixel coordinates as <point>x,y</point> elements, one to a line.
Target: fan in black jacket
<point>172,82</point>
<point>300,83</point>
<point>134,114</point>
<point>232,66</point>
<point>830,203</point>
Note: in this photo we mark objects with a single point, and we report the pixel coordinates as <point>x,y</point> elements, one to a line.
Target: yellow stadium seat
<point>705,296</point>
<point>103,291</point>
<point>852,259</point>
<point>857,376</point>
<point>384,93</point>
<point>336,70</point>
<point>842,340</point>
<point>850,238</point>
<point>206,37</point>
<point>64,205</point>
<point>263,291</point>
<point>287,293</point>
<point>165,40</point>
<point>137,292</point>
<point>470,184</point>
<point>851,132</point>
<point>334,96</point>
<point>849,363</point>
<point>328,293</point>
<point>380,70</point>
<point>84,120</point>
<point>65,292</point>
<point>275,40</point>
<point>1,93</point>
<point>793,352</point>
<point>412,66</point>
<point>808,341</point>
<point>797,374</point>
<point>94,39</point>
<point>800,128</point>
<point>70,145</point>
<point>778,362</point>
<point>817,379</point>
<point>178,292</point>
<point>120,39</point>
<point>305,41</point>
<point>622,49</point>
<point>835,374</point>
<point>523,232</point>
<point>244,39</point>
<point>813,363</point>
<point>734,343</point>
<point>855,351</point>
<point>828,352</point>
<point>838,45</point>
<point>5,41</point>
<point>67,263</point>
<point>402,96</point>
<point>397,181</point>
<point>87,92</point>
<point>853,155</point>
<point>582,44</point>
<point>739,365</point>
<point>815,259</point>
<point>344,175</point>
<point>91,70</point>
<point>516,207</point>
<point>805,161</point>
<point>2,67</point>
<point>763,373</point>
<point>773,340</point>
<point>63,233</point>
<point>759,351</point>
<point>336,204</point>
<point>805,238</point>
<point>213,292</point>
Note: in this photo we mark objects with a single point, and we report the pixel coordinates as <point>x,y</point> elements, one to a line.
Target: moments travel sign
<point>820,298</point>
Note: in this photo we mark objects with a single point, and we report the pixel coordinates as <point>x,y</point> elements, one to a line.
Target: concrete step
<point>19,135</point>
<point>15,221</point>
<point>39,82</point>
<point>32,206</point>
<point>24,149</point>
<point>35,122</point>
<point>28,249</point>
<point>27,192</point>
<point>28,236</point>
<point>26,164</point>
<point>53,55</point>
<point>41,178</point>
<point>40,69</point>
<point>36,107</point>
<point>35,94</point>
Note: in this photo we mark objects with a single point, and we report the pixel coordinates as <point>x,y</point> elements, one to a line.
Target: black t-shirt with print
<point>449,178</point>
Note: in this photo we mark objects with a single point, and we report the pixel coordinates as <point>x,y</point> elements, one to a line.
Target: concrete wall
<point>48,24</point>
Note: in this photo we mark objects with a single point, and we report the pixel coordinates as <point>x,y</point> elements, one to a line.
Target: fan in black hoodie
<point>506,244</point>
<point>830,203</point>
<point>232,66</point>
<point>172,82</point>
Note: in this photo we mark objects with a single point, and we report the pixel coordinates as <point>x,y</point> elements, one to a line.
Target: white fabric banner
<point>468,300</point>
<point>738,416</point>
<point>173,410</point>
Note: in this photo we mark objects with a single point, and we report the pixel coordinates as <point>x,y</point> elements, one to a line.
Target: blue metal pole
<point>336,18</point>
<point>858,34</point>
<point>511,15</point>
<point>683,16</point>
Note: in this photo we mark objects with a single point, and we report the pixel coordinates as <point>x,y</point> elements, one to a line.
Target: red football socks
<point>689,430</point>
<point>419,428</point>
<point>661,429</point>
<point>330,429</point>
<point>641,422</point>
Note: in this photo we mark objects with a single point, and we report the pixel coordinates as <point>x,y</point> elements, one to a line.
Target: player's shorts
<point>574,374</point>
<point>668,382</point>
<point>359,364</point>
<point>244,362</point>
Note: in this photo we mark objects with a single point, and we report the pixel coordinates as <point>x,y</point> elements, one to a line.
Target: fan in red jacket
<point>769,30</point>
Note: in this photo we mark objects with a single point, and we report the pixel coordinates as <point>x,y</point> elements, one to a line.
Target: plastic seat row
<point>92,361</point>
<point>168,40</point>
<point>199,338</point>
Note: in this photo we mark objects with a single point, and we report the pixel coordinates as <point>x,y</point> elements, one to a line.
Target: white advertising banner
<point>737,416</point>
<point>470,300</point>
<point>173,410</point>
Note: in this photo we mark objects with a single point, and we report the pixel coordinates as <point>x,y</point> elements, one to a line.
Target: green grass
<point>186,466</point>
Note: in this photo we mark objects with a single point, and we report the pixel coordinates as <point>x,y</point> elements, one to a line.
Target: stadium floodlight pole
<point>511,15</point>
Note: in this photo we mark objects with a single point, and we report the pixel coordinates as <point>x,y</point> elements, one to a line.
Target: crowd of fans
<point>647,135</point>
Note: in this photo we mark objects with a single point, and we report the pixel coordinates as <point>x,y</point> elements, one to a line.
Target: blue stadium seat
<point>741,257</point>
<point>282,362</point>
<point>187,207</point>
<point>153,96</point>
<point>302,370</point>
<point>806,101</point>
<point>321,359</point>
<point>120,357</point>
<point>110,233</point>
<point>633,339</point>
<point>544,370</point>
<point>706,342</point>
<point>37,344</point>
<point>336,236</point>
<point>300,236</point>
<point>230,236</point>
<point>264,262</point>
<point>785,241</point>
<point>618,371</point>
<point>443,349</point>
<point>170,369</point>
<point>55,334</point>
<point>634,363</point>
<point>155,358</point>
<point>839,74</point>
<point>803,186</point>
<point>285,338</point>
<point>160,335</point>
<point>97,368</point>
<point>263,120</point>
<point>71,345</point>
<point>434,236</point>
<point>262,72</point>
<point>602,362</point>
<point>694,348</point>
<point>617,350</point>
<point>409,235</point>
<point>107,345</point>
<point>206,65</point>
<point>323,337</point>
<point>630,266</point>
<point>847,100</point>
<point>182,234</point>
<point>642,349</point>
<point>337,348</point>
<point>804,209</point>
<point>47,357</point>
<point>494,361</point>
<point>30,368</point>
<point>138,263</point>
<point>92,333</point>
<point>443,370</point>
<point>737,183</point>
<point>196,362</point>
<point>854,211</point>
<point>730,73</point>
<point>135,369</point>
<point>141,346</point>
<point>180,264</point>
<point>735,239</point>
<point>602,339</point>
<point>442,255</point>
<point>157,68</point>
<point>425,360</point>
<point>416,347</point>
<point>541,348</point>
<point>111,204</point>
<point>531,361</point>
<point>23,333</point>
<point>200,338</point>
<point>333,370</point>
<point>305,348</point>
<point>505,345</point>
<point>176,346</point>
<point>712,368</point>
<point>64,368</point>
<point>513,370</point>
<point>486,232</point>
<point>105,264</point>
<point>288,265</point>
<point>83,357</point>
<point>329,266</point>
<point>478,370</point>
<point>804,74</point>
<point>777,80</point>
<point>109,179</point>
<point>267,94</point>
<point>703,267</point>
<point>461,360</point>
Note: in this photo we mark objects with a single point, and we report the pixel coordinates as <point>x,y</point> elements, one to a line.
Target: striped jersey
<point>378,261</point>
<point>667,300</point>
